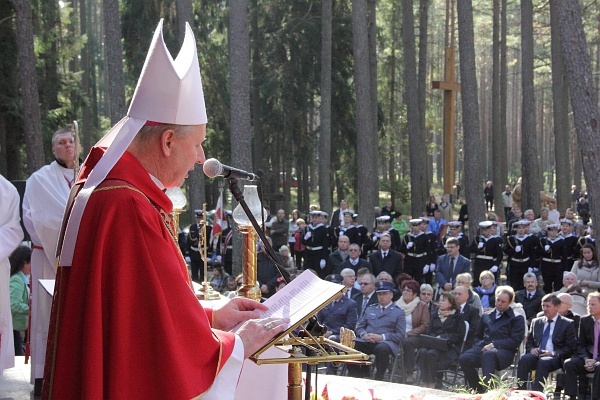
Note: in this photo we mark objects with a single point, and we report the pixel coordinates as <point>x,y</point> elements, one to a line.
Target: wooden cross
<point>450,87</point>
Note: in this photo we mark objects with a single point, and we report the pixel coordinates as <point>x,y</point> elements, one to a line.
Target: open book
<point>302,298</point>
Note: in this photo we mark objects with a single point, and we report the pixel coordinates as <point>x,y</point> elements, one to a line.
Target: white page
<point>299,298</point>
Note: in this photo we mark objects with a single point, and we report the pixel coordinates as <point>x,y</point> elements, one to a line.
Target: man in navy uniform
<point>488,251</point>
<point>317,243</point>
<point>498,336</point>
<point>550,250</point>
<point>380,331</point>
<point>455,231</point>
<point>570,240</point>
<point>550,342</point>
<point>520,249</point>
<point>415,247</point>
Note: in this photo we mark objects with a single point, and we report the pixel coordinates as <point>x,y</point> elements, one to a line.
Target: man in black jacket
<point>498,336</point>
<point>471,314</point>
<point>386,259</point>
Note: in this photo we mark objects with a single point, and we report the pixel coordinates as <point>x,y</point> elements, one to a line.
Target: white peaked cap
<point>169,92</point>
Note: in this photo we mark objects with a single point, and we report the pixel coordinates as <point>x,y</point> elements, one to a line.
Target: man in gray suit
<point>380,331</point>
<point>450,265</point>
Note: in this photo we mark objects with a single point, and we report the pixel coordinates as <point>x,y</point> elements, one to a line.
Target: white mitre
<point>169,92</point>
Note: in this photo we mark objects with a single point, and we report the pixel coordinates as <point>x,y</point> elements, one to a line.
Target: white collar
<point>157,182</point>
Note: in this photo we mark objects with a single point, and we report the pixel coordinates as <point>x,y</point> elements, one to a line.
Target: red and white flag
<point>219,222</point>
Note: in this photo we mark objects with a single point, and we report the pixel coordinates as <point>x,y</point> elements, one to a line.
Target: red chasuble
<point>125,322</point>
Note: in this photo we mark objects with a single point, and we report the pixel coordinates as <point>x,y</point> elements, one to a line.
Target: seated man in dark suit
<point>587,359</point>
<point>550,342</point>
<point>367,295</point>
<point>337,314</point>
<point>497,339</point>
<point>380,331</point>
<point>386,259</point>
<point>353,261</point>
<point>348,280</point>
<point>451,264</point>
<point>530,297</point>
<point>471,314</point>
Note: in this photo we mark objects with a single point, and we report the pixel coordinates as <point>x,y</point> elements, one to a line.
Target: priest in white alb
<point>11,235</point>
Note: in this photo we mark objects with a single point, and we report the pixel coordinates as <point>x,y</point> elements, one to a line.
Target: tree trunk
<point>470,116</point>
<point>51,83</point>
<point>239,71</point>
<point>85,129</point>
<point>529,149</point>
<point>503,94</point>
<point>560,104</point>
<point>583,94</point>
<point>422,89</point>
<point>367,140</point>
<point>416,143</point>
<point>255,90</point>
<point>325,129</point>
<point>372,27</point>
<point>497,151</point>
<point>32,121</point>
<point>114,60</point>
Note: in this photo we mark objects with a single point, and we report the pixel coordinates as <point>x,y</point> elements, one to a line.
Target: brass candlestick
<point>249,264</point>
<point>207,292</point>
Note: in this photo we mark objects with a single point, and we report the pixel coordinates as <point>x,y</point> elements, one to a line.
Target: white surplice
<point>44,205</point>
<point>11,235</point>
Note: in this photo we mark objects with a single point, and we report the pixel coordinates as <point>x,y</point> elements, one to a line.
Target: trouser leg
<point>469,362</point>
<point>382,352</point>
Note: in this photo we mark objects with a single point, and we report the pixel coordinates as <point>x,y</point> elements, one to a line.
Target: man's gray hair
<point>529,275</point>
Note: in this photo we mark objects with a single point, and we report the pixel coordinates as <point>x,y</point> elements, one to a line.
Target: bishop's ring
<point>268,326</point>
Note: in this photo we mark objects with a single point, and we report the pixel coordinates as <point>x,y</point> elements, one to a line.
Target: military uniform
<point>521,256</point>
<point>488,253</point>
<point>551,253</point>
<point>416,250</point>
<point>316,240</point>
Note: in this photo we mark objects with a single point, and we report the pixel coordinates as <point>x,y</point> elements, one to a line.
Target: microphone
<point>213,168</point>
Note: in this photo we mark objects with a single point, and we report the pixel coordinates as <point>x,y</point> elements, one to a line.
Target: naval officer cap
<point>454,224</point>
<point>553,226</point>
<point>486,224</point>
<point>566,221</point>
<point>198,213</point>
<point>383,218</point>
<point>522,222</point>
<point>415,221</point>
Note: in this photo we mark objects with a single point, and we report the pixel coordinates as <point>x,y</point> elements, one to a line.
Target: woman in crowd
<point>20,268</point>
<point>486,291</point>
<point>465,279</point>
<point>297,246</point>
<point>287,261</point>
<point>587,269</point>
<point>292,229</point>
<point>417,319</point>
<point>431,206</point>
<point>448,324</point>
